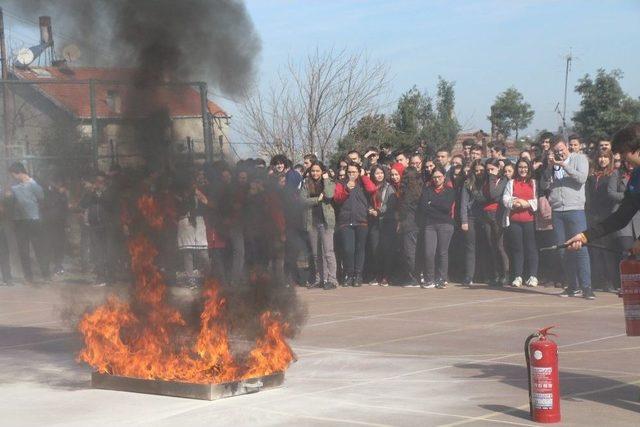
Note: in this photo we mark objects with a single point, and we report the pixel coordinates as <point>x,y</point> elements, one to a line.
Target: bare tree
<point>314,103</point>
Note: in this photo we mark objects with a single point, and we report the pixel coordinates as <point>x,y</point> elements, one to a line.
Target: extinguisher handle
<point>545,331</point>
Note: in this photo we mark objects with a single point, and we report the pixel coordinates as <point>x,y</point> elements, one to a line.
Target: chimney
<point>46,34</point>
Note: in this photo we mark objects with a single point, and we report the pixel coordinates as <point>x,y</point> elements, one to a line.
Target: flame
<point>148,338</point>
<point>272,353</point>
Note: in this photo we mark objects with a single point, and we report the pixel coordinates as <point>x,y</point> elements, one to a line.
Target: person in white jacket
<point>519,199</point>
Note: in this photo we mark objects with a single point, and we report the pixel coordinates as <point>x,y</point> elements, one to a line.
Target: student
<point>436,212</point>
<point>381,227</point>
<point>192,233</point>
<point>353,198</point>
<point>26,196</point>
<point>521,202</point>
<point>492,224</point>
<point>604,264</point>
<point>472,200</point>
<point>410,192</point>
<point>319,221</point>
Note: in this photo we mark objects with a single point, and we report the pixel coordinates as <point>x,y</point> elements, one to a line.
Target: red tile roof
<point>180,100</point>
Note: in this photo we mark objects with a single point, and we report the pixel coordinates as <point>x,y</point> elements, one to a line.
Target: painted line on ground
<point>317,418</point>
<point>416,310</point>
<point>9,347</point>
<point>494,414</point>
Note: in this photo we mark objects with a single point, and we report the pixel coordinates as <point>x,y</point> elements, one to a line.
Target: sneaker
<point>532,282</point>
<point>318,284</point>
<point>441,284</point>
<point>328,286</point>
<point>422,281</point>
<point>99,284</point>
<point>467,282</point>
<point>428,285</point>
<point>373,283</point>
<point>570,293</point>
<point>356,282</point>
<point>588,294</point>
<point>517,282</point>
<point>384,283</point>
<point>346,282</point>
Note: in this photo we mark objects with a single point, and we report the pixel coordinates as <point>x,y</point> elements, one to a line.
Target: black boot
<point>346,281</point>
<point>357,281</point>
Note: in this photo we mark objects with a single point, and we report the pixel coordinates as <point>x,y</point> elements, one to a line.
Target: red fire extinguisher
<point>544,381</point>
<point>630,293</point>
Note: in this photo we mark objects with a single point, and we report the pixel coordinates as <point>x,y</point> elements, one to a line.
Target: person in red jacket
<point>520,200</point>
<point>353,195</point>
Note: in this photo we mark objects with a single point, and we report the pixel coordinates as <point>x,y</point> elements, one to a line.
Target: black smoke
<point>208,40</point>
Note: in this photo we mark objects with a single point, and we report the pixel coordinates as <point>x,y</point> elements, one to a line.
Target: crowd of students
<point>378,218</point>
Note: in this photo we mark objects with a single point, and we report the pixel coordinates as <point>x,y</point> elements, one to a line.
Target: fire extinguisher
<point>630,293</point>
<point>544,381</point>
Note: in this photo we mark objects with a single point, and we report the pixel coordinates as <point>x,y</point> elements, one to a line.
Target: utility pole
<point>5,96</point>
<point>568,58</point>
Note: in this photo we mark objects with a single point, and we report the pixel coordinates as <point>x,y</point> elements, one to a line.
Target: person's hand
<point>575,243</point>
<point>464,227</point>
<point>320,197</point>
<point>635,249</point>
<point>373,212</point>
<point>351,185</point>
<point>516,204</point>
<point>551,160</point>
<point>362,172</point>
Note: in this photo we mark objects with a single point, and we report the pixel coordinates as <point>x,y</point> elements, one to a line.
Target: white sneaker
<point>532,282</point>
<point>517,282</point>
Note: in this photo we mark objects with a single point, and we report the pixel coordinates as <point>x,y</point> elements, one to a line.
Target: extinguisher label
<point>542,387</point>
<point>629,277</point>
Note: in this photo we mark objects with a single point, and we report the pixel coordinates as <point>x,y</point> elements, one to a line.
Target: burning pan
<point>189,390</point>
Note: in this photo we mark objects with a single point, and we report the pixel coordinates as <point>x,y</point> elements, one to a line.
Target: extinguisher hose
<point>528,359</point>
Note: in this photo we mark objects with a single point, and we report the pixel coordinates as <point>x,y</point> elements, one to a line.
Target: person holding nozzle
<point>626,142</point>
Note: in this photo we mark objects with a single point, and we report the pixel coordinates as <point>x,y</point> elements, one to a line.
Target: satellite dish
<point>71,53</point>
<point>25,57</point>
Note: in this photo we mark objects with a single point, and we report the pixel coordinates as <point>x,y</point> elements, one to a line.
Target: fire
<point>148,338</point>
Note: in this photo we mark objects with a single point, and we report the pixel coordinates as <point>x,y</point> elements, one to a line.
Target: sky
<point>484,46</point>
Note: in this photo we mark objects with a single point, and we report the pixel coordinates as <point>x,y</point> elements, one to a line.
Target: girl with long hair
<point>472,200</point>
<point>604,264</point>
<point>436,212</point>
<point>353,197</point>
<point>381,227</point>
<point>410,192</point>
<point>493,188</point>
<point>520,201</point>
<point>319,221</point>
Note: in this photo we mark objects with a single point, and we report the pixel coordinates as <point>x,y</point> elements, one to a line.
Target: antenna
<point>568,58</point>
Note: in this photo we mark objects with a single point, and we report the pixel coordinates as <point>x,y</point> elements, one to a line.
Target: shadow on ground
<point>574,387</point>
<point>43,356</point>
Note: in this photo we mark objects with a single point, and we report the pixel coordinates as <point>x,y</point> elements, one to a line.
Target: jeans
<point>409,248</point>
<point>354,240</point>
<point>567,224</point>
<point>29,232</point>
<point>236,240</point>
<point>493,232</point>
<point>469,245</point>
<point>5,264</point>
<point>436,251</point>
<point>521,240</point>
<point>321,238</point>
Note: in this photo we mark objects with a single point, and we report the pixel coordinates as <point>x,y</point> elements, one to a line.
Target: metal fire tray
<point>189,390</point>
